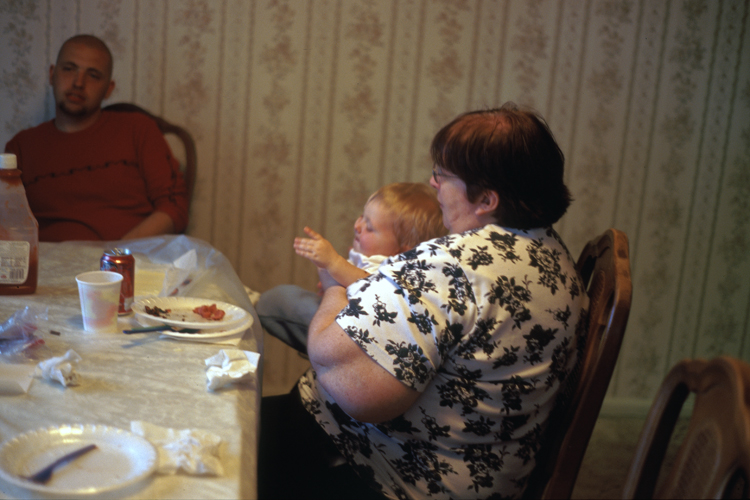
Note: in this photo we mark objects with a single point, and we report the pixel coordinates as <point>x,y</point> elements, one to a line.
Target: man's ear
<point>488,202</point>
<point>110,89</point>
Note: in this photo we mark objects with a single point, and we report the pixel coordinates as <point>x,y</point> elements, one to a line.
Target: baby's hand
<point>315,248</point>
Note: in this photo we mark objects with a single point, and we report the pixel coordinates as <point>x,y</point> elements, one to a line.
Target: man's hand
<point>317,249</point>
<point>155,224</point>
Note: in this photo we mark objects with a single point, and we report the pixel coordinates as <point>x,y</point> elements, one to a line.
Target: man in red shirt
<point>97,175</point>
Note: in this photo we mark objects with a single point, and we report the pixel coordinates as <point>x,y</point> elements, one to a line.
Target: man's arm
<point>165,185</point>
<point>155,224</point>
<point>360,386</point>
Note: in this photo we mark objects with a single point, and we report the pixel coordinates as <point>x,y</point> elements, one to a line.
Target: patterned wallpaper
<point>301,108</point>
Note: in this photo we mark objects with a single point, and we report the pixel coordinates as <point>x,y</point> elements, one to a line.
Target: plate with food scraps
<point>204,335</point>
<point>119,459</point>
<point>207,336</point>
<point>189,312</point>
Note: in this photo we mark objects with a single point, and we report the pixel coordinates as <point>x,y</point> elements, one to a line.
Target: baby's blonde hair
<point>417,214</point>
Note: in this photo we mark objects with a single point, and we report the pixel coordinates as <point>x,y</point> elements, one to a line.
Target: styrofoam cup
<point>100,299</point>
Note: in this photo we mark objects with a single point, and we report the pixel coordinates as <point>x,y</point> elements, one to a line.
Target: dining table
<point>146,377</point>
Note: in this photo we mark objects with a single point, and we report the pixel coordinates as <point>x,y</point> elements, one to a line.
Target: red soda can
<point>121,261</point>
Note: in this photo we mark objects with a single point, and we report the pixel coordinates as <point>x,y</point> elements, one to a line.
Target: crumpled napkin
<point>61,368</point>
<point>193,451</point>
<point>230,365</point>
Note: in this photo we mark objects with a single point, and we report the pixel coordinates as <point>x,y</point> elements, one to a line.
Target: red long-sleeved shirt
<point>99,183</point>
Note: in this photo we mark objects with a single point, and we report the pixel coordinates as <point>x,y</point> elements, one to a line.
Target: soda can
<point>121,261</point>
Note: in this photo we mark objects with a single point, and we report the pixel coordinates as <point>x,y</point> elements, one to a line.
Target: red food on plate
<point>210,312</point>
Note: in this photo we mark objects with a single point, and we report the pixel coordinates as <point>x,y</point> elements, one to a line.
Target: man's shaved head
<point>92,42</point>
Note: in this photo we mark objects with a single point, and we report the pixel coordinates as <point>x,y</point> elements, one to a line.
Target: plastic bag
<point>17,333</point>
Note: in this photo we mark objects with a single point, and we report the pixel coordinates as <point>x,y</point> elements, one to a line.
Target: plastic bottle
<point>19,233</point>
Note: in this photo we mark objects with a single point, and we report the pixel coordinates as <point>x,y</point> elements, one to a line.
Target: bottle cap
<point>7,161</point>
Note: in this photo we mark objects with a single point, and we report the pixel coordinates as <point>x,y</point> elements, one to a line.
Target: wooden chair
<point>604,265</point>
<point>713,460</point>
<point>191,158</point>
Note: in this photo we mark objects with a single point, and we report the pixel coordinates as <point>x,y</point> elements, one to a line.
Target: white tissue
<point>61,368</point>
<point>230,365</point>
<point>180,275</point>
<point>191,450</point>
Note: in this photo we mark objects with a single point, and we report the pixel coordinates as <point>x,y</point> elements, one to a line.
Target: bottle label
<point>14,262</point>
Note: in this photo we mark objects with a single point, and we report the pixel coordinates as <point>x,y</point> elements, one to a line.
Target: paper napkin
<point>61,368</point>
<point>230,365</point>
<point>16,378</point>
<point>193,451</point>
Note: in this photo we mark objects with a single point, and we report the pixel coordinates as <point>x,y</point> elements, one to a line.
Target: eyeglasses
<point>436,174</point>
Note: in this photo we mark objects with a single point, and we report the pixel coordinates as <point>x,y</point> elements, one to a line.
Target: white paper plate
<point>201,336</point>
<point>121,459</point>
<point>181,312</point>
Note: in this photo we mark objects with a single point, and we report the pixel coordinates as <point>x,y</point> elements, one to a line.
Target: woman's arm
<point>360,386</point>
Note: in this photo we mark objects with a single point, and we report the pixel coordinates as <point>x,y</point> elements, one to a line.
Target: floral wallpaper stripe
<point>302,108</point>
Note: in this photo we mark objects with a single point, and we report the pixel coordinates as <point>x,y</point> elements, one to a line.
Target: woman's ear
<point>488,202</point>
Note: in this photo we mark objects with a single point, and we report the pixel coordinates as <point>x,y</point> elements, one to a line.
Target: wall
<point>301,108</point>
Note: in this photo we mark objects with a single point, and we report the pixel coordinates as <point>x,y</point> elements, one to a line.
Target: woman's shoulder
<point>486,243</point>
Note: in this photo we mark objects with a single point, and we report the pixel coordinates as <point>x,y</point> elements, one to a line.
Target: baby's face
<point>373,231</point>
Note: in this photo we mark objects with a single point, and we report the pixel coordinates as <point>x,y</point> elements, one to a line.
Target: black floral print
<point>361,336</point>
<point>412,280</point>
<point>424,321</point>
<point>434,430</point>
<point>462,391</point>
<point>479,257</point>
<point>512,296</point>
<point>481,341</point>
<point>459,291</point>
<point>509,357</point>
<point>420,462</point>
<point>481,460</point>
<point>355,308</point>
<point>547,260</point>
<point>505,243</point>
<point>536,341</point>
<point>409,362</point>
<point>382,314</point>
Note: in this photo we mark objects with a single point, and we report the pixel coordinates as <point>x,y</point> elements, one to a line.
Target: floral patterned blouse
<point>484,325</point>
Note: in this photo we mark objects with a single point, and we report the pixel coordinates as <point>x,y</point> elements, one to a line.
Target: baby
<point>396,218</point>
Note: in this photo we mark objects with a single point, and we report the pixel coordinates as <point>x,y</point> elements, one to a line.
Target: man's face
<point>81,79</point>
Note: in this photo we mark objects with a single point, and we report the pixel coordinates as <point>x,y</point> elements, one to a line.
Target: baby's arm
<point>321,253</point>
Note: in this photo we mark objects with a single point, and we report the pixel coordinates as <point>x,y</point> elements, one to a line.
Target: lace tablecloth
<point>143,377</point>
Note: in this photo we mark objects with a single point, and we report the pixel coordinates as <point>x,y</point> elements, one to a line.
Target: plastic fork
<point>44,475</point>
<point>159,328</point>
